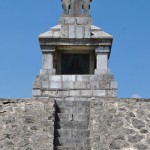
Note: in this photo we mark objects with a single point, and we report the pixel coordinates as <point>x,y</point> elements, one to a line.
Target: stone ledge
<point>93,98</point>
<point>74,93</point>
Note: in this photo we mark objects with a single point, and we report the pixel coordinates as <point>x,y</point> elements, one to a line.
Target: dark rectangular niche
<point>75,64</point>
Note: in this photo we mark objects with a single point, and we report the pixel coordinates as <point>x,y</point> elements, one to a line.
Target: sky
<point>20,57</point>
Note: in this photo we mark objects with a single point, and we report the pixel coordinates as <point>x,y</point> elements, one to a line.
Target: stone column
<point>102,59</point>
<point>48,60</point>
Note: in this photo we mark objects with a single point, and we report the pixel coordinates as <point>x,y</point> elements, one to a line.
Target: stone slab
<point>74,93</point>
<point>45,84</point>
<point>50,93</point>
<point>55,85</point>
<point>80,85</point>
<point>83,77</point>
<point>68,85</point>
<point>68,78</point>
<point>63,93</point>
<point>99,93</point>
<point>86,93</point>
<point>55,78</point>
<point>113,85</point>
<point>36,92</point>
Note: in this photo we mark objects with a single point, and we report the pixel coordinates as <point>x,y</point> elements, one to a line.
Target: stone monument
<point>75,56</point>
<point>74,70</point>
<point>74,104</point>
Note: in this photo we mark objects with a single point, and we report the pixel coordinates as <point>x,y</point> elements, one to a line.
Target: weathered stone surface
<point>86,92</point>
<point>63,133</point>
<point>94,123</point>
<point>75,27</point>
<point>55,85</point>
<point>72,129</point>
<point>74,93</point>
<point>75,86</point>
<point>138,123</point>
<point>50,93</point>
<point>141,147</point>
<point>136,138</point>
<point>68,85</point>
<point>54,78</point>
<point>45,84</point>
<point>115,124</point>
<point>26,124</point>
<point>36,93</point>
<point>68,78</point>
<point>99,93</point>
<point>118,143</point>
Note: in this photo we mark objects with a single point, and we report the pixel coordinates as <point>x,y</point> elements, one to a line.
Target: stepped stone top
<point>75,23</point>
<point>73,51</point>
<point>55,32</point>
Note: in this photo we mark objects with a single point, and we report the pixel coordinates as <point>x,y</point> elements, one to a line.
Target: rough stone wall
<point>26,124</point>
<point>120,124</point>
<point>114,124</point>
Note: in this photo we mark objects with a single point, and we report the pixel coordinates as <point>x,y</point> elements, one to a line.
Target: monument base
<point>83,86</point>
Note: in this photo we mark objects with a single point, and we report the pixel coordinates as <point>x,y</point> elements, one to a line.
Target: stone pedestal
<point>75,72</point>
<point>73,38</point>
<point>75,86</point>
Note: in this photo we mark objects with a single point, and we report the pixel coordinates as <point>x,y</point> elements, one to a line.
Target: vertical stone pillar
<point>102,59</point>
<point>48,60</point>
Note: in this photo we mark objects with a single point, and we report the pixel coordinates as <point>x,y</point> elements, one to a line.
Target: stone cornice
<point>73,42</point>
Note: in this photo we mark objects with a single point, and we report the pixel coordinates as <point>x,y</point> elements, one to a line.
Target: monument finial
<point>74,7</point>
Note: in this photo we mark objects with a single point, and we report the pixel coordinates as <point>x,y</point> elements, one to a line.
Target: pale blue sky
<point>22,21</point>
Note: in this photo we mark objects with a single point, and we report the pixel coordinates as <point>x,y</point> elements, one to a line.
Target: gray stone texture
<point>94,123</point>
<point>26,124</point>
<point>102,85</point>
<point>57,34</point>
<point>75,27</point>
<point>119,124</point>
<point>72,125</point>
